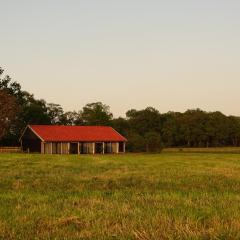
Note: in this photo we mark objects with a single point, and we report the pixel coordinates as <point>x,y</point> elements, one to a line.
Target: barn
<point>57,139</point>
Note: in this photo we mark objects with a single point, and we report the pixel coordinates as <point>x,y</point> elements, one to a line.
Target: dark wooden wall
<point>31,142</point>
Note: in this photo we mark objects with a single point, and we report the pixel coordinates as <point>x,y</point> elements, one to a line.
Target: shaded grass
<point>132,196</point>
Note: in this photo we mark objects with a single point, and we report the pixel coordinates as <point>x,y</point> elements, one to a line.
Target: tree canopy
<point>96,114</point>
<point>8,111</point>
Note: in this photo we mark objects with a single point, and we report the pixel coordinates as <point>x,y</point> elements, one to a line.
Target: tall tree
<point>55,113</point>
<point>145,120</point>
<point>71,118</point>
<point>136,142</point>
<point>30,110</point>
<point>12,88</point>
<point>170,131</point>
<point>153,142</point>
<point>96,114</point>
<point>8,111</point>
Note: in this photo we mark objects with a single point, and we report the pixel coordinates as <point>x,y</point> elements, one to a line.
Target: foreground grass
<point>165,196</point>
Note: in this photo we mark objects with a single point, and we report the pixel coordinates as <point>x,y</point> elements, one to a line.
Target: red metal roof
<point>58,133</point>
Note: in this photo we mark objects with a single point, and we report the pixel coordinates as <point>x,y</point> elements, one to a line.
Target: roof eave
<point>29,126</point>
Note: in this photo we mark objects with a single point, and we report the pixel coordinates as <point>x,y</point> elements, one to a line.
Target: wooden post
<point>93,146</point>
<point>68,147</point>
<point>117,147</point>
<point>61,148</point>
<point>51,147</point>
<point>110,147</point>
<point>78,148</point>
<point>42,147</point>
<point>103,151</point>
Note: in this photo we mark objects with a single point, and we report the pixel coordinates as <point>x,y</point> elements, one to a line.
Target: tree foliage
<point>153,142</point>
<point>8,112</point>
<point>96,114</point>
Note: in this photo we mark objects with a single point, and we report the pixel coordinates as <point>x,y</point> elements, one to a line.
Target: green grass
<point>203,150</point>
<point>132,196</point>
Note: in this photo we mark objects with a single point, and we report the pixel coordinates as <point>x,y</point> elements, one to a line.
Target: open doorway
<point>73,148</point>
<point>99,147</point>
<point>121,147</point>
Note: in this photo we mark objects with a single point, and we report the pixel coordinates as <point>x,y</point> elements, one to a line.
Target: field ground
<point>132,196</point>
<point>203,150</point>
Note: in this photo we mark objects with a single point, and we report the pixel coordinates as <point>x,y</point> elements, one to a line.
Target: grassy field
<point>162,196</point>
<point>203,150</point>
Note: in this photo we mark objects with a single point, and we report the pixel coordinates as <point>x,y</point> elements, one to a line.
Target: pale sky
<point>172,54</point>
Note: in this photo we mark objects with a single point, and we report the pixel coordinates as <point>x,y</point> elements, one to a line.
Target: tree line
<point>146,130</point>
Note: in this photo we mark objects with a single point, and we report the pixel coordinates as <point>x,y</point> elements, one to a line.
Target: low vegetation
<point>132,196</point>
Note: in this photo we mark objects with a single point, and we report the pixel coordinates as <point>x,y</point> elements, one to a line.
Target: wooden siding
<point>114,147</point>
<point>47,148</point>
<point>81,147</point>
<point>58,148</point>
<point>30,142</point>
<point>65,148</point>
<point>54,148</point>
<point>87,147</point>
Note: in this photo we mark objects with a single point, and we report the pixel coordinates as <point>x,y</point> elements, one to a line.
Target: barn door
<point>73,148</point>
